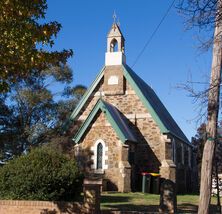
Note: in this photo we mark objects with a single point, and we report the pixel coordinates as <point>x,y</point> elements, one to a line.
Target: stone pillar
<point>92,194</point>
<point>124,183</point>
<point>168,167</point>
<point>168,197</point>
<point>168,187</point>
<point>168,170</point>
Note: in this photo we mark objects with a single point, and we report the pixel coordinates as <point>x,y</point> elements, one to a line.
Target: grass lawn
<point>148,202</point>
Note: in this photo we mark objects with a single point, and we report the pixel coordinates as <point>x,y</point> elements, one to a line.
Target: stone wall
<point>148,154</point>
<point>153,148</point>
<point>185,168</point>
<point>131,106</point>
<point>39,207</point>
<point>101,129</point>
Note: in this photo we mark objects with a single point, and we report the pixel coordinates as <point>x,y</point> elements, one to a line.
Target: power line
<point>153,34</point>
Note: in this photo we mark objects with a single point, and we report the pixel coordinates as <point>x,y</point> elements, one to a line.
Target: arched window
<point>100,157</point>
<point>114,46</point>
<point>99,161</point>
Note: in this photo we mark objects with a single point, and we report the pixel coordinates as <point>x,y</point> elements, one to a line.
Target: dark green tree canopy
<point>32,109</point>
<point>32,113</point>
<point>24,42</point>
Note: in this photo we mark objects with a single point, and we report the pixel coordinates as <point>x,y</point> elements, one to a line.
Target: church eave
<point>179,138</point>
<point>144,101</point>
<point>129,78</point>
<point>83,100</point>
<point>100,106</point>
<point>151,110</point>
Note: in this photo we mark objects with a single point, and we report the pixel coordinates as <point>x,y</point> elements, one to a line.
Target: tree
<point>25,43</point>
<point>42,174</point>
<point>202,14</point>
<point>205,14</point>
<point>213,109</point>
<point>32,114</point>
<point>198,143</point>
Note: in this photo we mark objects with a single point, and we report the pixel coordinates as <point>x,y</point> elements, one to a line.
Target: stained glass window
<point>99,156</point>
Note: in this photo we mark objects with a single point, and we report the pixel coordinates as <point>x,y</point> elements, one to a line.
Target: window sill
<point>99,171</point>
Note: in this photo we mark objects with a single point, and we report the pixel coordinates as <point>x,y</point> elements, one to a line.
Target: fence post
<point>92,195</point>
<point>168,197</point>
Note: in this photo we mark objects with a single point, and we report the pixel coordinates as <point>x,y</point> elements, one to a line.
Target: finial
<point>114,17</point>
<point>118,22</point>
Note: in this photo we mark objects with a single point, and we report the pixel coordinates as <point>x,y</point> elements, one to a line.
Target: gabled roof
<point>149,98</point>
<point>117,121</point>
<point>84,99</point>
<point>155,107</point>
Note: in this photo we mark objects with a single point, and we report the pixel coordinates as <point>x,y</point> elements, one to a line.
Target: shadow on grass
<point>191,208</point>
<point>181,208</point>
<point>114,199</point>
<point>214,209</point>
<point>186,208</point>
<point>131,207</point>
<point>124,203</point>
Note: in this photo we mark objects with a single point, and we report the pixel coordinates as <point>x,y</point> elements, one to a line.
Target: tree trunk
<point>213,108</point>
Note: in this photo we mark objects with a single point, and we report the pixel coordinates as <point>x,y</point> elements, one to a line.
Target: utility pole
<point>212,119</point>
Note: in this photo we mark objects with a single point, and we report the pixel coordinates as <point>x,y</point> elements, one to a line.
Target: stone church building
<point>125,129</point>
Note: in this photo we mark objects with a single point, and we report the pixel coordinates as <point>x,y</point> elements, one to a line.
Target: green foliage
<point>42,174</point>
<point>198,142</point>
<point>34,110</point>
<point>25,43</point>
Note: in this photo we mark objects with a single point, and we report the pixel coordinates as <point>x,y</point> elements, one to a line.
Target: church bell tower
<point>115,46</point>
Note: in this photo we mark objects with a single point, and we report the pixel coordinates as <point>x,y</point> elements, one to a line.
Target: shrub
<point>42,174</point>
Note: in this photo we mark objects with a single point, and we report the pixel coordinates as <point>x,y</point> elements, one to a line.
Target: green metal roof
<point>117,121</point>
<point>83,100</point>
<point>155,107</point>
<point>149,98</point>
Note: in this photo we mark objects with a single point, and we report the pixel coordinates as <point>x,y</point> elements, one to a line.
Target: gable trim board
<point>83,100</point>
<point>155,107</point>
<point>144,101</point>
<point>113,116</point>
<point>148,97</point>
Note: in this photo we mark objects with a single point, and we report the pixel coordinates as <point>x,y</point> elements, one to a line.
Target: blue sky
<point>169,60</point>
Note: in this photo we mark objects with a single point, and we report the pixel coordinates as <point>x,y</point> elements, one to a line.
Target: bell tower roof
<point>115,31</point>
<point>115,45</point>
